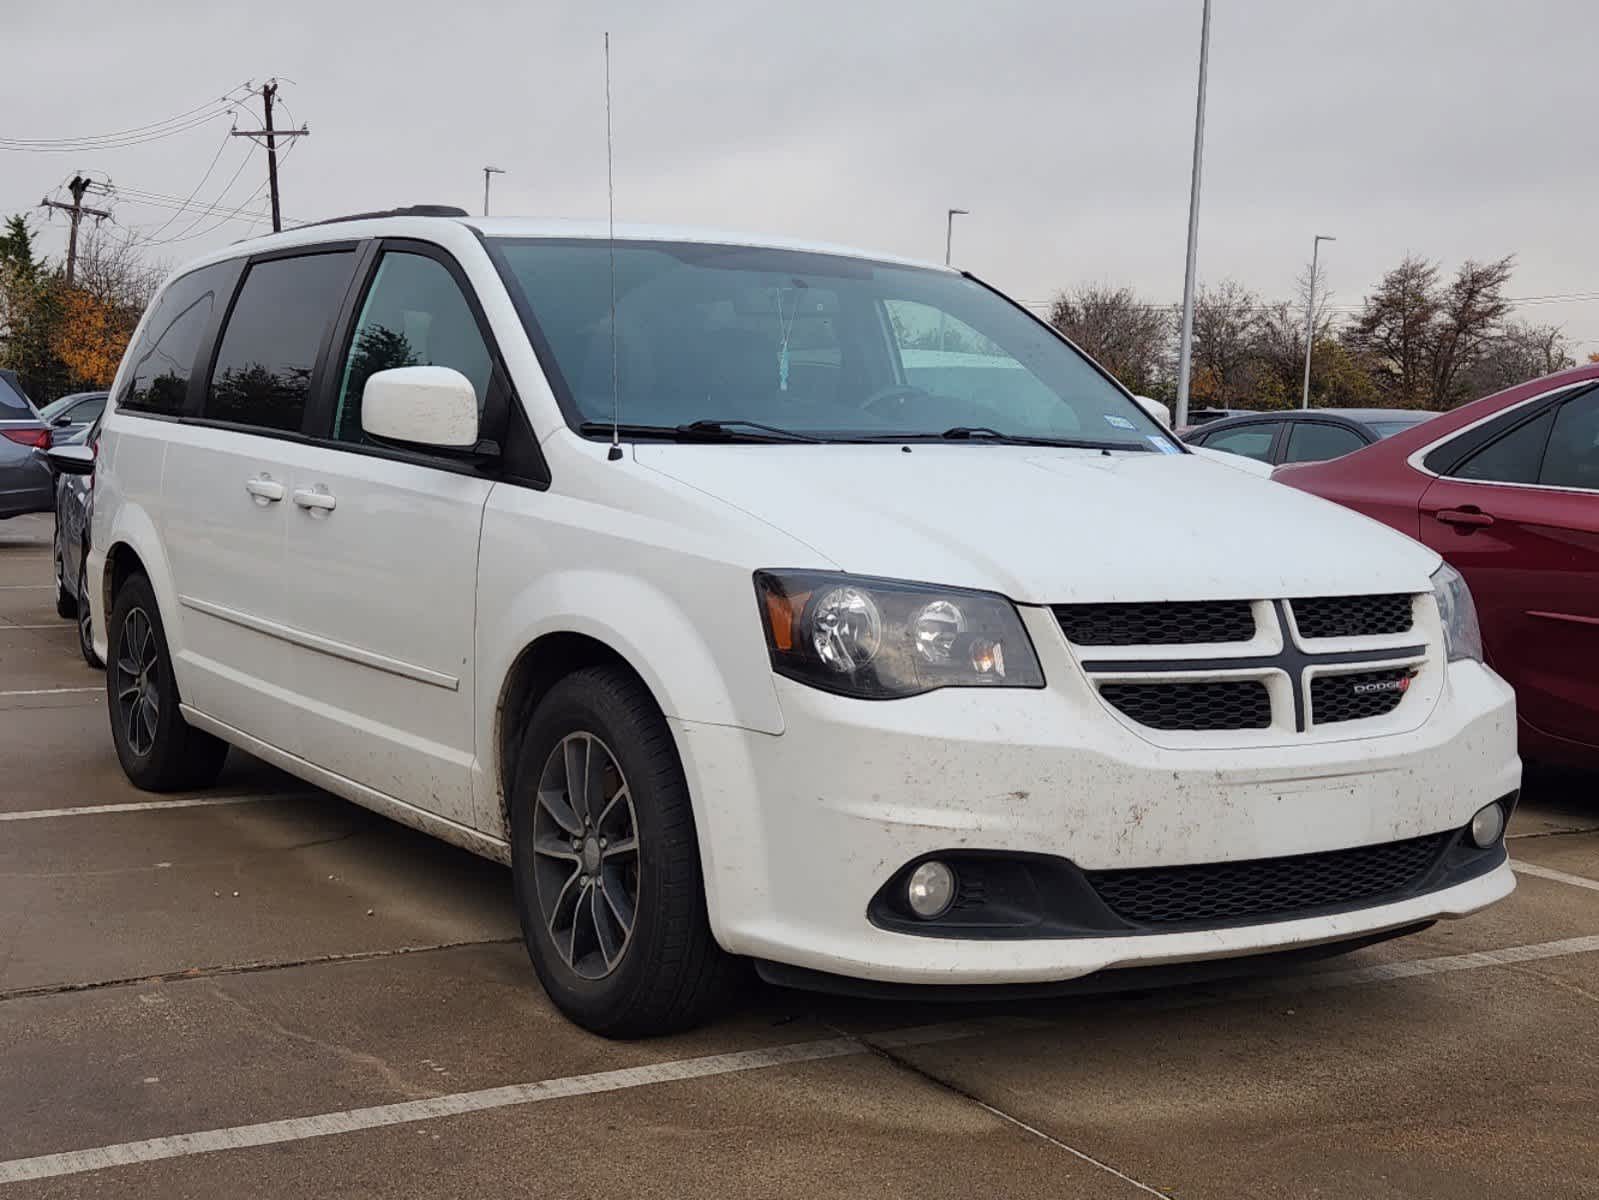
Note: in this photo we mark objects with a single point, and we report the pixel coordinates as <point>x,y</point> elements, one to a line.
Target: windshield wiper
<point>701,431</point>
<point>730,426</point>
<point>963,433</point>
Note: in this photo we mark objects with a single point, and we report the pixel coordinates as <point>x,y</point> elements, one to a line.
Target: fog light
<point>930,890</point>
<point>1487,826</point>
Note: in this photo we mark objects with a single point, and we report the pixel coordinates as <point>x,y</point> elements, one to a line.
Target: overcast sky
<point>1450,128</point>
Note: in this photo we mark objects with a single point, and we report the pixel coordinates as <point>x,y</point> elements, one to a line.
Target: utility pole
<point>1186,343</point>
<point>487,171</point>
<point>78,187</point>
<point>1310,312</point>
<point>269,91</point>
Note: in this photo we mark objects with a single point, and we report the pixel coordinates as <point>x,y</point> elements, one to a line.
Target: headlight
<point>1462,634</point>
<point>877,639</point>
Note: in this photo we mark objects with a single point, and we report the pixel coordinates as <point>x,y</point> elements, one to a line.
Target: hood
<point>1048,526</point>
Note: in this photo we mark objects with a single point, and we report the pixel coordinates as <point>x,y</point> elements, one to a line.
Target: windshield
<point>767,342</point>
<point>1387,429</point>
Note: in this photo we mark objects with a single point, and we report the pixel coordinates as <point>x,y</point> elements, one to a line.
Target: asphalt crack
<point>250,968</point>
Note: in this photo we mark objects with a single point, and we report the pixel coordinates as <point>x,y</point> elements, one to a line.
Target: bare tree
<point>1226,327</point>
<point>1129,338</point>
<point>1520,352</point>
<point>1471,315</point>
<point>111,270</point>
<point>1394,331</point>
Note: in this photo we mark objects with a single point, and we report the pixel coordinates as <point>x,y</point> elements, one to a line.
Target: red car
<point>1507,490</point>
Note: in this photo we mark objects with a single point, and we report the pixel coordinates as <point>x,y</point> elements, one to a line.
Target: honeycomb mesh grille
<point>1351,698</point>
<point>1352,616</point>
<point>1174,624</point>
<point>1265,888</point>
<point>1220,704</point>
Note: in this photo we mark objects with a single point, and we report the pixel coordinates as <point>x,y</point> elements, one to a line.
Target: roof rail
<point>409,210</point>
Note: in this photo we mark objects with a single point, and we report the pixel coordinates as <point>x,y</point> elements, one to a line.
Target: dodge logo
<point>1382,685</point>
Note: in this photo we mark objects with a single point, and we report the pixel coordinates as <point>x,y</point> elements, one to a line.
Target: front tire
<point>159,750</point>
<point>606,862</point>
<point>66,604</point>
<point>85,623</point>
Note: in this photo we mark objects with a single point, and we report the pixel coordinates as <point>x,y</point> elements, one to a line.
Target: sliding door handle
<point>317,501</point>
<point>265,489</point>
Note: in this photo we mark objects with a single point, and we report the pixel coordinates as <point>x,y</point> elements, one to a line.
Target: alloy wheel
<point>586,860</point>
<point>138,700</point>
<point>85,626</point>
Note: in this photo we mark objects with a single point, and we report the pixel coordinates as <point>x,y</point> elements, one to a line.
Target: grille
<point>1265,888</point>
<point>1223,704</point>
<point>1171,624</point>
<point>1352,616</point>
<point>1339,698</point>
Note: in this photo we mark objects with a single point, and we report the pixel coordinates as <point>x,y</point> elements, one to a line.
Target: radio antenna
<point>610,200</point>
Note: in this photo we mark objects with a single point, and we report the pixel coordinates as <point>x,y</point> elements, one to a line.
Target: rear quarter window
<point>161,362</point>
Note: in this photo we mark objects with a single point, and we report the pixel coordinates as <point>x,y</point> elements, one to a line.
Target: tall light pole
<point>949,241</point>
<point>1186,346</point>
<point>949,229</point>
<point>487,171</point>
<point>1310,312</point>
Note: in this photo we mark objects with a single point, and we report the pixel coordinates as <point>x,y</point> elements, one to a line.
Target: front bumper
<point>798,831</point>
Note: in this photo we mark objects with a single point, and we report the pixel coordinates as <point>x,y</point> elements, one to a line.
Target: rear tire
<point>662,971</point>
<point>159,750</point>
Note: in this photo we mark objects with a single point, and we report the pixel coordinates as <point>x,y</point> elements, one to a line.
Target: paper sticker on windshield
<point>1162,444</point>
<point>1118,422</point>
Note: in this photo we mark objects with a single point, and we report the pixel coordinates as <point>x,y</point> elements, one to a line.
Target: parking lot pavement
<point>262,990</point>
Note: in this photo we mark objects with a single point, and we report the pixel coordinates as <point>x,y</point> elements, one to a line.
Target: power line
<point>269,91</point>
<point>215,158</point>
<point>152,131</point>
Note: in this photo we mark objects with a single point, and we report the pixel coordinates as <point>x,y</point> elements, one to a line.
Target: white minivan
<point>758,600</point>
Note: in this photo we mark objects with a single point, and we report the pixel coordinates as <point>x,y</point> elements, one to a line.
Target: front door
<point>384,544</point>
<point>1520,520</point>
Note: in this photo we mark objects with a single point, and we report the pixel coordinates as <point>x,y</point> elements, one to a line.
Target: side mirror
<point>425,406</point>
<point>71,460</point>
<point>62,421</point>
<point>1155,409</point>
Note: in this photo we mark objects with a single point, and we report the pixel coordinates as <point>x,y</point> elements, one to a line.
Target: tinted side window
<point>1313,441</point>
<point>1252,441</point>
<point>87,410</point>
<point>414,315</point>
<point>262,375</point>
<point>1572,459</point>
<point>163,357</point>
<point>13,406</point>
<point>1514,458</point>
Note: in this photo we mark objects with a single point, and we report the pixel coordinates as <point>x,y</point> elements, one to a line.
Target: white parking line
<point>51,625</point>
<point>1537,872</point>
<point>90,810</point>
<point>295,1129</point>
<point>51,691</point>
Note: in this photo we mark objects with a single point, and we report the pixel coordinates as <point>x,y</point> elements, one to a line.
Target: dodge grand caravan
<point>764,601</point>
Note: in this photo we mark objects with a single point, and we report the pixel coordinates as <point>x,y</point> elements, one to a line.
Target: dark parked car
<point>70,414</point>
<point>74,500</point>
<point>1303,435</point>
<point>26,485</point>
<point>1507,490</point>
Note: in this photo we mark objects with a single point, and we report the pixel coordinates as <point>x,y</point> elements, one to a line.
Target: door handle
<point>1468,517</point>
<point>315,500</point>
<point>265,489</point>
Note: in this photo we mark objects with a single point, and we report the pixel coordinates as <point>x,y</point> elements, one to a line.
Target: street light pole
<point>1186,345</point>
<point>949,230</point>
<point>1310,312</point>
<point>487,171</point>
<point>949,239</point>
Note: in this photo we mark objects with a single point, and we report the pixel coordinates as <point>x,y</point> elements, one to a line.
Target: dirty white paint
<point>1537,872</point>
<point>294,1129</point>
